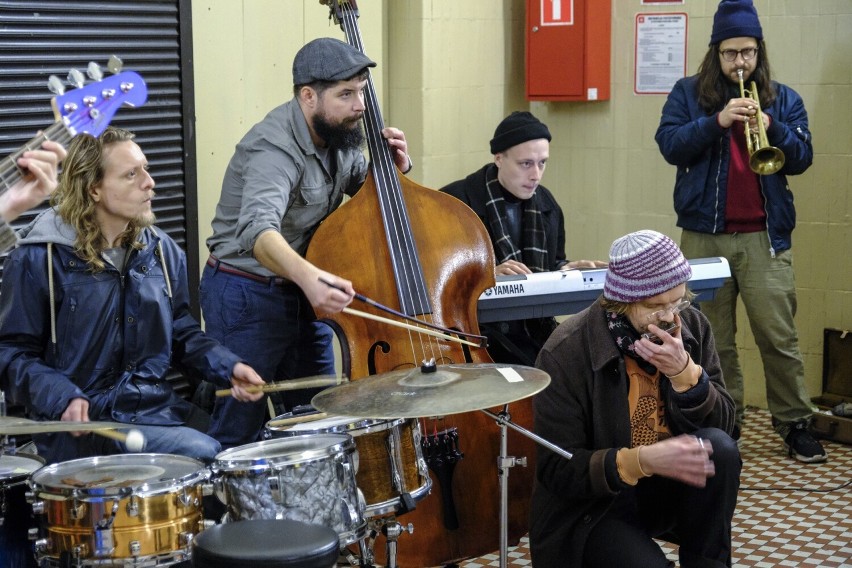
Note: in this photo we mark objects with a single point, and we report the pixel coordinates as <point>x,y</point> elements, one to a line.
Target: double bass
<point>424,254</point>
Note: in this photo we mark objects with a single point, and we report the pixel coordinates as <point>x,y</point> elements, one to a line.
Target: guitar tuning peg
<point>115,64</point>
<point>55,86</point>
<point>94,71</point>
<point>76,78</point>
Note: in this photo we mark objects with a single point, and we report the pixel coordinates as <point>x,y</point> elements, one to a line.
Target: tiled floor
<point>788,514</point>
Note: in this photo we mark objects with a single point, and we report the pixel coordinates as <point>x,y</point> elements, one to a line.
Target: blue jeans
<point>179,440</point>
<point>273,329</point>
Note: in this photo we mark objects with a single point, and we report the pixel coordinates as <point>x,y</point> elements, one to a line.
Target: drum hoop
<point>361,425</point>
<point>13,480</point>
<point>144,489</point>
<point>339,444</point>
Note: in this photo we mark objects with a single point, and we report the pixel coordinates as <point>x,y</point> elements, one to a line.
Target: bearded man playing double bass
<point>288,173</point>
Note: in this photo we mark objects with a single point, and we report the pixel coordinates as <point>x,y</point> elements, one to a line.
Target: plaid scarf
<point>532,251</point>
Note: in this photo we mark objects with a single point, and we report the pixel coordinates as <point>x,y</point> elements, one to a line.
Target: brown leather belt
<point>217,264</point>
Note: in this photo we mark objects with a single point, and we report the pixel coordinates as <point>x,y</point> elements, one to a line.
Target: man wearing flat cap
<point>524,221</point>
<point>259,295</point>
<point>726,208</point>
<point>637,397</point>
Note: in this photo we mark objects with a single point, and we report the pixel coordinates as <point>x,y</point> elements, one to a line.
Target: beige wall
<point>456,68</point>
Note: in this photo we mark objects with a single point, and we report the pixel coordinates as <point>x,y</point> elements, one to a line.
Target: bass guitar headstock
<point>90,108</point>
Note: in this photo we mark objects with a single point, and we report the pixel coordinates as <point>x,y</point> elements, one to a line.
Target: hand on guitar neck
<point>29,175</point>
<point>39,181</point>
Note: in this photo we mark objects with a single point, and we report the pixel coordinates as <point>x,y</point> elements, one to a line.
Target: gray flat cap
<point>328,59</point>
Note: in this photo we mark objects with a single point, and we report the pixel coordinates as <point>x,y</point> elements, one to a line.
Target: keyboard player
<point>525,223</point>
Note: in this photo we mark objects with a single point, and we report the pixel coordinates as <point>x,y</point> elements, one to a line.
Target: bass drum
<point>119,510</point>
<point>16,549</point>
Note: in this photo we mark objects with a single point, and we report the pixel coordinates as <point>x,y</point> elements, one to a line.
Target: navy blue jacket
<point>117,334</point>
<point>694,142</point>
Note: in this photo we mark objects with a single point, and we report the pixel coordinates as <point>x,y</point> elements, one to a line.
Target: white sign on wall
<point>659,52</point>
<point>557,12</point>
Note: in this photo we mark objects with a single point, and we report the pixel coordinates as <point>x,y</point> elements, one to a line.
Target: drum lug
<point>274,482</point>
<point>36,504</point>
<point>186,498</point>
<point>395,459</point>
<point>135,548</point>
<point>78,510</point>
<point>81,551</point>
<point>417,440</point>
<point>132,506</point>
<point>185,539</point>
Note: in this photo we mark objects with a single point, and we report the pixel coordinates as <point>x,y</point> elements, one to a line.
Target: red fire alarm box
<point>568,50</point>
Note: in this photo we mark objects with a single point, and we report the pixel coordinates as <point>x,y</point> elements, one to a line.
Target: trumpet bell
<point>766,161</point>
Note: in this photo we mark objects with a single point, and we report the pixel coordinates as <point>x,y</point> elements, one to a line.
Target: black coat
<point>471,190</point>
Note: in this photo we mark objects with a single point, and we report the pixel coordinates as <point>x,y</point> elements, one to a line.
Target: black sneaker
<point>799,444</point>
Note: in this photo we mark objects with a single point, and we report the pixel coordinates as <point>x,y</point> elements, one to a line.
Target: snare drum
<point>303,478</point>
<point>391,460</point>
<point>16,549</point>
<point>119,510</point>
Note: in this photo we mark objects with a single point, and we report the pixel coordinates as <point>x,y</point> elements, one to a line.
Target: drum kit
<point>353,466</point>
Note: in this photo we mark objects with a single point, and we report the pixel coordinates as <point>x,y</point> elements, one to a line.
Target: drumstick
<point>133,440</point>
<point>289,385</point>
<point>422,330</point>
<point>113,434</point>
<point>297,420</point>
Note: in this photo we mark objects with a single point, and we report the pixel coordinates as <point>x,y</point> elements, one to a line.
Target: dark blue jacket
<point>694,142</point>
<point>116,333</point>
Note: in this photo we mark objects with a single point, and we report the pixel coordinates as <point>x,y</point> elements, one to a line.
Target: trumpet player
<point>735,136</point>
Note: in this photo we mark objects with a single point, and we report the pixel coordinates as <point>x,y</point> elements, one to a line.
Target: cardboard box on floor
<point>836,386</point>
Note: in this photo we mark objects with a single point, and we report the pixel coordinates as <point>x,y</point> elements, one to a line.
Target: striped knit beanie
<point>642,265</point>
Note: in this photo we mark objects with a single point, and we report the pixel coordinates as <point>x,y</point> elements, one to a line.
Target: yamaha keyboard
<point>556,293</point>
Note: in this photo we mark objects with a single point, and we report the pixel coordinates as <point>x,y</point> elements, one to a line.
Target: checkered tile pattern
<point>788,514</point>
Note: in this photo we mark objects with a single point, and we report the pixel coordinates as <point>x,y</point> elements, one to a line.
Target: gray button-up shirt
<point>276,180</point>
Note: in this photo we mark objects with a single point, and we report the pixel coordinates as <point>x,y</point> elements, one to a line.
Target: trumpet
<point>763,159</point>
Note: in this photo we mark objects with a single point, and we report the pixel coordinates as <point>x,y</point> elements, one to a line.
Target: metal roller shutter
<point>40,38</point>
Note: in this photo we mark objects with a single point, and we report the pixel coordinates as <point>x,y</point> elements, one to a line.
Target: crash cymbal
<point>11,426</point>
<point>415,393</point>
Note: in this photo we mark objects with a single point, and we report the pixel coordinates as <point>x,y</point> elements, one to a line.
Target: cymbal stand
<point>505,463</point>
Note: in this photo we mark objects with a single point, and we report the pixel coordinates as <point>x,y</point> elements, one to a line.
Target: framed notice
<point>659,53</point>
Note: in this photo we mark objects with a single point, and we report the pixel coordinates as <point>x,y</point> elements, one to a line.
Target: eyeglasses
<point>660,314</point>
<point>731,54</point>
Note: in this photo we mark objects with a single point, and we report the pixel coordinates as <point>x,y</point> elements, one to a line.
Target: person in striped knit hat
<point>637,396</point>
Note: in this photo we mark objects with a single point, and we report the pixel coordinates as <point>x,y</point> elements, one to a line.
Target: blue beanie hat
<point>735,18</point>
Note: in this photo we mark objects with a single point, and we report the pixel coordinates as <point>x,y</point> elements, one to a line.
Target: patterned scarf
<point>532,251</point>
<point>624,335</point>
